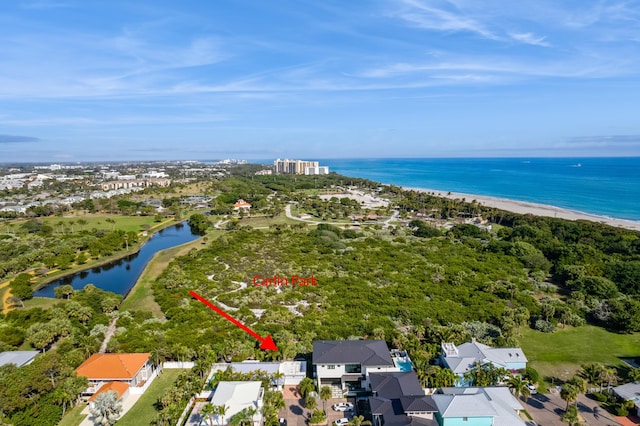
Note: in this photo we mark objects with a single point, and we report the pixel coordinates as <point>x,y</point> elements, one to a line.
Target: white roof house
<point>237,396</point>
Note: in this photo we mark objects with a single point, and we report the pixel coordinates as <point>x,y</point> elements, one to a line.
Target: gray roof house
<point>398,400</point>
<point>19,358</point>
<point>629,392</point>
<point>494,406</point>
<point>463,358</point>
<point>344,365</point>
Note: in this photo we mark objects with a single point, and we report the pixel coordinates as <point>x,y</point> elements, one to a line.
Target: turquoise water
<point>602,186</point>
<point>404,365</point>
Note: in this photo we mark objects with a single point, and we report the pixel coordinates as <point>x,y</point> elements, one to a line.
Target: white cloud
<point>424,15</point>
<point>529,38</point>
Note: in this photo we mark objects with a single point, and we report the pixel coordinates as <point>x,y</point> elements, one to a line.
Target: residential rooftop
<point>364,352</point>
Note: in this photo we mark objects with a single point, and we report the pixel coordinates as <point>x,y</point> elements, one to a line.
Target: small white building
<point>236,397</point>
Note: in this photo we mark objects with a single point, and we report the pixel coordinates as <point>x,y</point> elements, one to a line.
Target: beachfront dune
<point>525,207</point>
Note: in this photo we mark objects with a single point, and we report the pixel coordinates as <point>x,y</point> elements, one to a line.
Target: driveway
<point>297,415</point>
<point>545,409</point>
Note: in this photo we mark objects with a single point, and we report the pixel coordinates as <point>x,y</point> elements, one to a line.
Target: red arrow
<point>266,343</point>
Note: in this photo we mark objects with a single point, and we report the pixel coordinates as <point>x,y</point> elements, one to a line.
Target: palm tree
<point>579,382</point>
<point>159,354</point>
<point>609,376</point>
<point>208,411</point>
<point>634,374</point>
<point>106,408</point>
<point>359,421</point>
<point>250,412</point>
<point>446,377</point>
<point>310,403</point>
<point>222,410</point>
<point>592,373</point>
<point>325,395</point>
<point>571,416</point>
<point>277,378</point>
<point>306,386</point>
<point>569,393</point>
<point>519,387</point>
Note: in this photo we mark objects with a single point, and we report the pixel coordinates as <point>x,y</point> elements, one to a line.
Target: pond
<point>120,275</point>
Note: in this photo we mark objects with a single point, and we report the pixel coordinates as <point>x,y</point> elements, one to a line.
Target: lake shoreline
<point>114,258</point>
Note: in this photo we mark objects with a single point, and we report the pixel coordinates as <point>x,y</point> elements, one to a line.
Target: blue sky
<point>253,79</point>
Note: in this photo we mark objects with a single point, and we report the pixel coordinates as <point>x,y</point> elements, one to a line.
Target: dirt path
<point>111,330</point>
<point>5,297</point>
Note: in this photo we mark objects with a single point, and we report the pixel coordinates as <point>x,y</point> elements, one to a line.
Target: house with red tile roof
<point>116,370</point>
<point>120,388</point>
<point>242,205</point>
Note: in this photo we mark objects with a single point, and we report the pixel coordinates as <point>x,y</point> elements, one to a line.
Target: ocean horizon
<point>608,186</point>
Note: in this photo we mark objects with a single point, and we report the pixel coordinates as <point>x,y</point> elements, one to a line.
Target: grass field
<point>561,354</point>
<point>143,412</point>
<point>73,417</point>
<point>68,224</point>
<point>42,302</point>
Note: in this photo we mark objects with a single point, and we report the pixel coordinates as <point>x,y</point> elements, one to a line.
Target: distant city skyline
<point>158,80</point>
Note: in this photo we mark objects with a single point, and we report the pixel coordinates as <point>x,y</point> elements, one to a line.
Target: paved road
<point>593,414</point>
<point>547,409</point>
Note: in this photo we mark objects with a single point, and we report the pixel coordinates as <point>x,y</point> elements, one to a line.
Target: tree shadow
<point>298,411</point>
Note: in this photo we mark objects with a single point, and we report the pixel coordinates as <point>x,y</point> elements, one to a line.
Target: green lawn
<point>561,354</point>
<point>42,302</point>
<point>99,221</point>
<point>73,417</point>
<point>143,412</point>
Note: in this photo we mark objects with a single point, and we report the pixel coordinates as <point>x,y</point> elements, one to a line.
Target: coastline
<point>526,207</point>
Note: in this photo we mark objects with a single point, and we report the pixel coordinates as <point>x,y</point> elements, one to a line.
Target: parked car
<point>282,421</point>
<point>342,406</point>
<point>341,422</point>
<point>532,388</point>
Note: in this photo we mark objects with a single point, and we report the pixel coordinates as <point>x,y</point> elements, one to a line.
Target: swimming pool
<point>404,365</point>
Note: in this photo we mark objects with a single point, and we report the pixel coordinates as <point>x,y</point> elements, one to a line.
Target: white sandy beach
<point>525,207</point>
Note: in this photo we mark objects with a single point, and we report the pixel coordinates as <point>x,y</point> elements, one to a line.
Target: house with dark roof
<point>344,365</point>
<point>398,400</point>
<point>466,357</point>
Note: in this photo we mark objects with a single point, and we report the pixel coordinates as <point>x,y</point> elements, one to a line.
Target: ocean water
<point>601,186</point>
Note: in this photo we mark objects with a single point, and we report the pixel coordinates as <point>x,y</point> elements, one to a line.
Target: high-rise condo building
<point>299,167</point>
